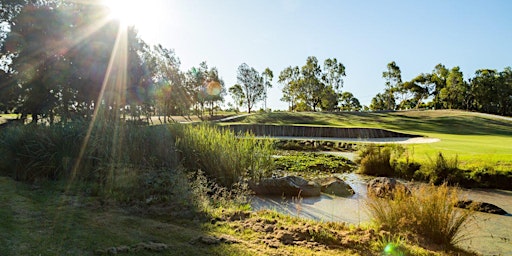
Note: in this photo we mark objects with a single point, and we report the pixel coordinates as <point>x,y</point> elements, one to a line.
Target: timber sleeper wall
<point>309,131</point>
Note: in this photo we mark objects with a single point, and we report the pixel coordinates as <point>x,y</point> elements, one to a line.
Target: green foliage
<point>428,211</point>
<point>150,187</point>
<point>313,163</point>
<point>441,170</point>
<point>50,152</point>
<point>375,160</point>
<point>221,154</point>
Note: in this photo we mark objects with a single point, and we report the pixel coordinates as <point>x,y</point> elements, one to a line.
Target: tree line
<point>68,60</point>
<point>488,91</point>
<point>65,60</point>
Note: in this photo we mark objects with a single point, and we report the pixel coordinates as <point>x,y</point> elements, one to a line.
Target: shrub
<point>375,160</point>
<point>429,212</point>
<point>441,170</point>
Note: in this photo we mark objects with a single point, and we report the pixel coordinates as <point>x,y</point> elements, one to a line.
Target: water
<point>490,234</point>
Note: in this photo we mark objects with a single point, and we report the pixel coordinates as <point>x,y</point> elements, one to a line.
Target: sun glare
<point>145,16</point>
<point>127,12</point>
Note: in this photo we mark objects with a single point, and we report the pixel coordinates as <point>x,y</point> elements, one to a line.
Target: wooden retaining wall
<point>309,131</point>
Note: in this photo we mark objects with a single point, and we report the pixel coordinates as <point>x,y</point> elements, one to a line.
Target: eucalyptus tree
<point>382,101</point>
<point>421,87</point>
<point>455,94</point>
<point>250,88</point>
<point>237,93</point>
<point>206,86</point>
<point>267,76</point>
<point>311,85</point>
<point>393,77</point>
<point>349,102</point>
<point>289,78</point>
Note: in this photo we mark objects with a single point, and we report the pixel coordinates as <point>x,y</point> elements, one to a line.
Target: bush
<point>441,170</point>
<point>428,211</point>
<point>375,160</point>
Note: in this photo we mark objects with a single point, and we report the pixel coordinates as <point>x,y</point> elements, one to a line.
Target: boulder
<point>287,186</point>
<point>384,187</point>
<point>480,206</point>
<point>335,186</point>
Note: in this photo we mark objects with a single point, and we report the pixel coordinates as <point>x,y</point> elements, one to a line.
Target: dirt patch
<point>275,233</point>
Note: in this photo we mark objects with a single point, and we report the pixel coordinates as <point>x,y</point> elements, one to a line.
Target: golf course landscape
<point>134,207</point>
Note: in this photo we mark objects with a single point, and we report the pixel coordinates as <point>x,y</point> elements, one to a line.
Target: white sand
<point>397,140</point>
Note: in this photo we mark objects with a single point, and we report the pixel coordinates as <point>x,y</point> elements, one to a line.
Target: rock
<point>334,186</point>
<point>287,186</point>
<point>212,240</point>
<point>384,187</point>
<point>480,206</point>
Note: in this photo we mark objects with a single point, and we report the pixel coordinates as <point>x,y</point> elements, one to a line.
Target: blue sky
<point>363,35</point>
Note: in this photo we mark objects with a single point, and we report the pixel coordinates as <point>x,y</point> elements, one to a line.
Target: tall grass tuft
<point>221,154</point>
<point>375,160</point>
<point>32,153</point>
<point>428,211</point>
<point>441,170</point>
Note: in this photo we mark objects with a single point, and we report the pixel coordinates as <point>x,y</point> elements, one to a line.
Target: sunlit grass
<point>476,139</point>
<point>428,211</point>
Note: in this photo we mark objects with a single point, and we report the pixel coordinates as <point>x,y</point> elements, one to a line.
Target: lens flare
<point>213,88</point>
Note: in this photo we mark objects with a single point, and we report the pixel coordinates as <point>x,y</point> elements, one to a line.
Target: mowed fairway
<point>478,140</point>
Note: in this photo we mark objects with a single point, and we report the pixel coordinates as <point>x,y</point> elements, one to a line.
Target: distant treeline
<point>489,91</point>
<point>62,61</point>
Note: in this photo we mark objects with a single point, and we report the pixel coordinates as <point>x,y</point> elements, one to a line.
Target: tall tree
<point>289,77</point>
<point>421,87</point>
<point>206,86</point>
<point>237,93</point>
<point>382,101</point>
<point>393,77</point>
<point>268,76</point>
<point>349,102</point>
<point>455,94</point>
<point>312,87</point>
<point>439,77</point>
<point>252,85</point>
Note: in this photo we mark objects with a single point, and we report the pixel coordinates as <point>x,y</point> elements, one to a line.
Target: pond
<point>490,234</point>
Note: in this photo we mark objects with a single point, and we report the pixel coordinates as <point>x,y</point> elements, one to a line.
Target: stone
<point>287,186</point>
<point>335,186</point>
<point>480,206</point>
<point>384,187</point>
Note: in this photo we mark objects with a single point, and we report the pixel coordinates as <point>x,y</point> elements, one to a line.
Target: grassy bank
<point>52,219</point>
<point>480,142</point>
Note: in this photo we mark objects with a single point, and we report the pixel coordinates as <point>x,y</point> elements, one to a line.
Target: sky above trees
<point>363,35</point>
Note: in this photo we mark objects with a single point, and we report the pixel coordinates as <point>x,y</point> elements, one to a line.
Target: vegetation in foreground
<point>52,219</point>
<point>426,212</point>
<point>100,199</point>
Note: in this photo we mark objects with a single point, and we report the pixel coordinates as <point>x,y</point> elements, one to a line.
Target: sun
<point>128,12</point>
<point>146,16</point>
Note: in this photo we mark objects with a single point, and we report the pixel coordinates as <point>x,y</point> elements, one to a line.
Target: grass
<point>476,139</point>
<point>428,212</point>
<point>49,219</point>
<point>313,164</point>
<point>220,154</point>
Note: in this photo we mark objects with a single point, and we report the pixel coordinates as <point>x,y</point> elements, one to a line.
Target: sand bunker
<point>397,140</point>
